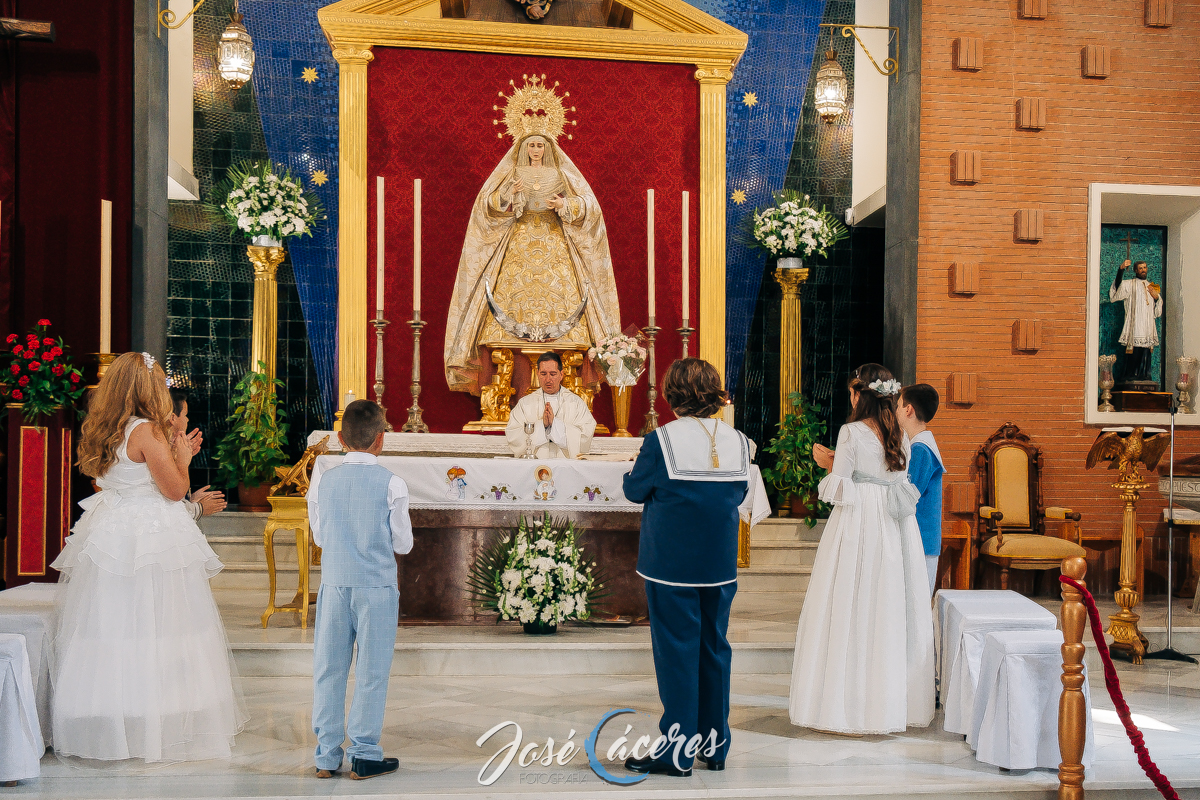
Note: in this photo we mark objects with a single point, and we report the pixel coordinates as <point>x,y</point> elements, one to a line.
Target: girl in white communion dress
<point>864,645</point>
<point>142,666</point>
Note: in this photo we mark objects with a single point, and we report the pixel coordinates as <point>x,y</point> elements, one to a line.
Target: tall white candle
<point>379,246</point>
<point>417,247</point>
<point>105,276</point>
<point>650,250</point>
<point>687,200</point>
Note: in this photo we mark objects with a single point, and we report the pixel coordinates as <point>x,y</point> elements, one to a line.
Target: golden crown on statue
<point>534,108</point>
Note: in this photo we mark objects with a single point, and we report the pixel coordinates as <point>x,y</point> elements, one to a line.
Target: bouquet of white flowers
<point>537,574</point>
<point>621,358</point>
<point>259,202</point>
<point>794,227</point>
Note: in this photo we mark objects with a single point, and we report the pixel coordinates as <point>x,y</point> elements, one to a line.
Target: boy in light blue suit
<point>358,512</point>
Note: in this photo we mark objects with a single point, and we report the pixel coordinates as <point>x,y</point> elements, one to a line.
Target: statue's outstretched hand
<point>556,202</point>
<point>518,186</point>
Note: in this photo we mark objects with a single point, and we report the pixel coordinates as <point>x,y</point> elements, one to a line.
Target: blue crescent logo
<point>590,748</point>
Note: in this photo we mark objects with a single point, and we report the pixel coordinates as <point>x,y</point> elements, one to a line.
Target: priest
<point>562,423</point>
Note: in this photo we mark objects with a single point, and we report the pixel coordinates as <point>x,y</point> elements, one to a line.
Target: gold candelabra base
<point>651,423</point>
<point>685,335</point>
<point>415,423</point>
<point>104,360</point>
<point>380,323</point>
<point>1123,626</point>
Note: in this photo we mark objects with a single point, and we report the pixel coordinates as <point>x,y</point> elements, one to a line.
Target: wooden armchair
<point>1012,516</point>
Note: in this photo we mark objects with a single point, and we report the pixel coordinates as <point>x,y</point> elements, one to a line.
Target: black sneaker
<point>361,769</point>
<point>653,766</point>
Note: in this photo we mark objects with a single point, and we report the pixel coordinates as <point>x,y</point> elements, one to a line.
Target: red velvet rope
<point>1114,691</point>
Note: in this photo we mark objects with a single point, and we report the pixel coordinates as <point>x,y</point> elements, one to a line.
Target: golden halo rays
<point>534,108</point>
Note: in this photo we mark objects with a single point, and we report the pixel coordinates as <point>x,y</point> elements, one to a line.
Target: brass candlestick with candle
<point>685,335</point>
<point>651,423</point>
<point>415,423</point>
<point>380,323</point>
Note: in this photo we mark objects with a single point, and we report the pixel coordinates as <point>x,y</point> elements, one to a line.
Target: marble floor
<point>434,722</point>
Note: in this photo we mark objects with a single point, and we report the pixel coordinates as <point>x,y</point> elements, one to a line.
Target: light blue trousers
<point>347,616</point>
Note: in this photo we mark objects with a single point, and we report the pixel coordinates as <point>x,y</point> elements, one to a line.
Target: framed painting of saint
<point>1133,303</point>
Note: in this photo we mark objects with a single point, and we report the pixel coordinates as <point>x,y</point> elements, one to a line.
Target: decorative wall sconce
<point>831,90</point>
<point>235,52</point>
<point>166,17</point>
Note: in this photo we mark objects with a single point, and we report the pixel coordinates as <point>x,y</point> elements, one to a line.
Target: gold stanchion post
<point>1072,705</point>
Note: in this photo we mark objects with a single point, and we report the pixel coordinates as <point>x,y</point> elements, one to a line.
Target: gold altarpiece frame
<point>667,31</point>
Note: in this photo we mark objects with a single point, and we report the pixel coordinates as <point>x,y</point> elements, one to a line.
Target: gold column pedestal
<point>1123,626</point>
<point>791,360</point>
<point>265,324</point>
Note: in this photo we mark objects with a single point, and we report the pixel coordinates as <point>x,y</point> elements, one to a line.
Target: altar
<point>466,490</point>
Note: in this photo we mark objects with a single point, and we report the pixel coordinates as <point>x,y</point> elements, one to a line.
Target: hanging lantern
<point>235,52</point>
<point>830,89</point>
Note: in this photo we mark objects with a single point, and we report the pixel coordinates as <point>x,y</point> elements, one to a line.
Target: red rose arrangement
<point>40,375</point>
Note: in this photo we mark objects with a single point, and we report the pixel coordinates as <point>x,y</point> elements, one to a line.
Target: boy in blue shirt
<point>358,513</point>
<point>918,403</point>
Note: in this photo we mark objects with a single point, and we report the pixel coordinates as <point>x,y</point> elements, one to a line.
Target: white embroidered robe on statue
<point>570,435</point>
<point>1141,309</point>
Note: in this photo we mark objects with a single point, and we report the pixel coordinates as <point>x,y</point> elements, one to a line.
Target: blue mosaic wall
<point>765,98</point>
<point>296,88</point>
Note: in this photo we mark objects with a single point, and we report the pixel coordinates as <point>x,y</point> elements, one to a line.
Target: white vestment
<point>569,435</point>
<point>1141,309</point>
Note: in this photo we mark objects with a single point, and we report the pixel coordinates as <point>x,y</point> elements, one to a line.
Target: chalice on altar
<point>529,429</point>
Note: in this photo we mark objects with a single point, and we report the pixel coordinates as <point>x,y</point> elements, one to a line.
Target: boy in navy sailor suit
<point>358,512</point>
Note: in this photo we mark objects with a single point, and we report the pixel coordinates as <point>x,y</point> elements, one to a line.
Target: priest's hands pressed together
<point>547,416</point>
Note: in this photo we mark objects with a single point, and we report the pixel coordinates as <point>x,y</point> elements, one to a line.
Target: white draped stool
<point>963,618</point>
<point>20,733</point>
<point>1015,720</point>
<point>31,610</point>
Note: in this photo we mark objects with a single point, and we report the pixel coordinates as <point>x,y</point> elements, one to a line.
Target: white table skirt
<point>31,610</point>
<point>1015,719</point>
<point>21,745</point>
<point>530,485</point>
<point>962,621</point>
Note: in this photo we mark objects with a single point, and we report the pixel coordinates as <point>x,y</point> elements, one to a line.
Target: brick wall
<point>1141,124</point>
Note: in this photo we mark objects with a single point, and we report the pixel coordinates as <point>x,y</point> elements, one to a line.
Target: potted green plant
<point>795,475</point>
<point>253,448</point>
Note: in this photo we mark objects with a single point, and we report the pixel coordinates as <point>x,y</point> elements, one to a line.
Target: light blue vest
<point>353,512</point>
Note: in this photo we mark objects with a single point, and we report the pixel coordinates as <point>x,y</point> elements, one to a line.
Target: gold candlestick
<point>651,332</point>
<point>415,423</point>
<point>104,360</point>
<point>685,333</point>
<point>380,323</point>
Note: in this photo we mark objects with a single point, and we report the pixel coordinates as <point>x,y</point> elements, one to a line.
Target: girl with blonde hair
<point>142,667</point>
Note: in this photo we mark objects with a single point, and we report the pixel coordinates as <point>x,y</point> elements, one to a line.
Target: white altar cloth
<point>21,746</point>
<point>1015,721</point>
<point>529,485</point>
<point>468,445</point>
<point>963,620</point>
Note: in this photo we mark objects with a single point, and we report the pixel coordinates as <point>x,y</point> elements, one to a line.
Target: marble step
<point>775,530</point>
<point>253,575</point>
<point>566,653</point>
<point>235,523</point>
<point>774,578</point>
<point>249,549</point>
<point>775,554</point>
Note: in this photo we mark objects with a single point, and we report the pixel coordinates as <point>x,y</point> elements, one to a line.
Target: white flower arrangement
<point>794,227</point>
<point>536,575</point>
<point>885,388</point>
<point>259,202</point>
<point>621,358</point>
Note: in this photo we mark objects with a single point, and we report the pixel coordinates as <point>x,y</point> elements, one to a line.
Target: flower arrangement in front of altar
<point>536,574</point>
<point>40,376</point>
<point>620,357</point>
<point>793,227</point>
<point>262,203</point>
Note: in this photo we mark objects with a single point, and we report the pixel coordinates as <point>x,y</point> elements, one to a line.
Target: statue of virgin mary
<point>537,237</point>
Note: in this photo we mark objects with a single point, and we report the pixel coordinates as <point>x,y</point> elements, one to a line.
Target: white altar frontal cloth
<point>32,611</point>
<point>527,485</point>
<point>1015,721</point>
<point>21,745</point>
<point>963,618</point>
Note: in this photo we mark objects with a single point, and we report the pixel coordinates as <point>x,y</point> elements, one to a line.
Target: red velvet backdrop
<point>74,147</point>
<point>430,117</point>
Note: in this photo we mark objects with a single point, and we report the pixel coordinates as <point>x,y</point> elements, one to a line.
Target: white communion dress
<point>864,645</point>
<point>142,669</point>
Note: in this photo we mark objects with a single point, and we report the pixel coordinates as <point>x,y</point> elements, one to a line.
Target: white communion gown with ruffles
<point>864,645</point>
<point>142,666</point>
